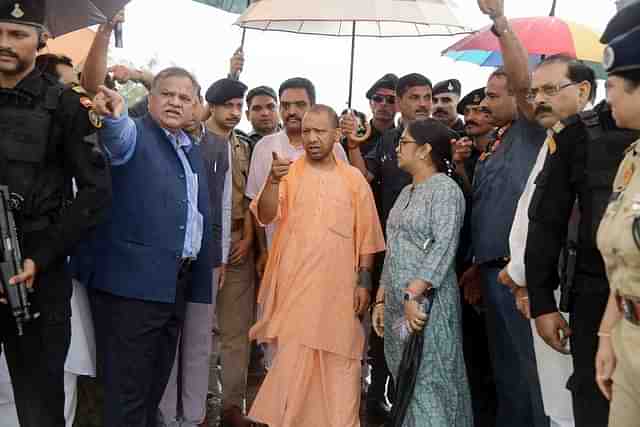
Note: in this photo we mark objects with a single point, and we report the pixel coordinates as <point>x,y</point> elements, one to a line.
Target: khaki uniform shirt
<point>615,235</point>
<point>240,156</point>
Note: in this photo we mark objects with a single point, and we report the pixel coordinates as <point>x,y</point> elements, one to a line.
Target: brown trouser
<point>235,312</point>
<point>625,404</point>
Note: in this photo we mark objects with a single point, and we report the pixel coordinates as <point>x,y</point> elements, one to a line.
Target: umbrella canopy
<point>232,6</point>
<point>364,18</point>
<point>75,45</point>
<point>541,36</point>
<point>375,18</point>
<point>65,16</point>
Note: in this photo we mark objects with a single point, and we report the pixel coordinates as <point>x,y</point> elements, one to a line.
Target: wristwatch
<point>409,296</point>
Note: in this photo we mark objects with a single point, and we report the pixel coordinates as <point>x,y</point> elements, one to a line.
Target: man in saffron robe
<point>317,282</point>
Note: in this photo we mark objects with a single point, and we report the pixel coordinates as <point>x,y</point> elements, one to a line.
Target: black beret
<point>261,91</point>
<point>448,86</point>
<point>224,90</point>
<point>474,97</point>
<point>624,21</point>
<point>623,54</point>
<point>30,12</point>
<point>388,81</point>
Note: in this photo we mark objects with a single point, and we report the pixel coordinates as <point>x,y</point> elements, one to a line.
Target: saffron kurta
<point>327,219</point>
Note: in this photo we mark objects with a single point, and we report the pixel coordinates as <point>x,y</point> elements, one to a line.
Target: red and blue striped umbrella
<point>541,36</point>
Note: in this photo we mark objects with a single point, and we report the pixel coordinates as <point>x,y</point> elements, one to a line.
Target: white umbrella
<point>351,18</point>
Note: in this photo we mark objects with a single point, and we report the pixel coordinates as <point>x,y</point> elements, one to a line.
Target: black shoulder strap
<point>592,124</point>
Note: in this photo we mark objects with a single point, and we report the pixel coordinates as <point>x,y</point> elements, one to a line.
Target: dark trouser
<point>36,359</point>
<point>380,373</point>
<point>137,342</point>
<point>514,362</point>
<point>36,365</point>
<point>590,408</point>
<point>478,365</point>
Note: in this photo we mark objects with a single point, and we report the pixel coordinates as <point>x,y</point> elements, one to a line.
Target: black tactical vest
<point>603,152</point>
<point>30,161</point>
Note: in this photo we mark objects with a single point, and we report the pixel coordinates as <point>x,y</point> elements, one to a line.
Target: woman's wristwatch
<point>410,296</point>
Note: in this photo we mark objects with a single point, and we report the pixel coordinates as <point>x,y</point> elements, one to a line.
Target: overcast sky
<point>201,39</point>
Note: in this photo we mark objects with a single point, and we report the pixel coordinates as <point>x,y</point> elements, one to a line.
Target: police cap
<point>623,54</point>
<point>388,81</point>
<point>624,21</point>
<point>30,12</point>
<point>474,97</point>
<point>224,90</point>
<point>448,86</point>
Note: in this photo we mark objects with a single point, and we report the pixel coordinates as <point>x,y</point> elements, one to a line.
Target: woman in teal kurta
<point>422,237</point>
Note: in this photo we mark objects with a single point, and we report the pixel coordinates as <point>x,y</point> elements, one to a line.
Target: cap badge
<point>450,87</point>
<point>609,58</point>
<point>17,11</point>
<point>476,99</point>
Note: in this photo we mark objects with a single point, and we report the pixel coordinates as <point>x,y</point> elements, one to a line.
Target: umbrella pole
<point>244,34</point>
<point>353,49</point>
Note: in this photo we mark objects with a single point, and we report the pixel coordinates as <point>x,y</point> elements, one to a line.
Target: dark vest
<point>595,163</point>
<point>215,154</point>
<point>138,250</point>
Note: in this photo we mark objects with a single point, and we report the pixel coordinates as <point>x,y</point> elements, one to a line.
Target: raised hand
<point>492,8</point>
<point>279,167</point>
<point>236,63</point>
<point>108,103</point>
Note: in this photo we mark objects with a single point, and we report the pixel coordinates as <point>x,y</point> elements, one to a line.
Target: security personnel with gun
<point>584,153</point>
<point>617,361</point>
<point>47,138</point>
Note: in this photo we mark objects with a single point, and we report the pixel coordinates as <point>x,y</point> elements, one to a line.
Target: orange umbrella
<point>75,45</point>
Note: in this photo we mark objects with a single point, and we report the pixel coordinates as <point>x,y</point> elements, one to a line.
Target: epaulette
<point>85,97</point>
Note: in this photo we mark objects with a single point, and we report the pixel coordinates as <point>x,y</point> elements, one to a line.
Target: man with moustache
<point>571,194</point>
<point>155,252</point>
<point>500,177</point>
<point>478,133</point>
<point>316,286</point>
<point>184,399</point>
<point>466,152</point>
<point>297,96</point>
<point>414,102</point>
<point>236,296</point>
<point>48,140</point>
<point>446,96</point>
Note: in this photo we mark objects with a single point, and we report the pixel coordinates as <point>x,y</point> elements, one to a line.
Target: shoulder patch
<point>79,90</point>
<point>95,119</point>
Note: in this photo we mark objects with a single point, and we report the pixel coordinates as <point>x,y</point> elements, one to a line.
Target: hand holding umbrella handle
<point>357,136</point>
<point>118,34</point>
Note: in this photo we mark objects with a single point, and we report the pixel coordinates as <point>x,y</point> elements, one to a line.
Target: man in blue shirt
<point>500,177</point>
<point>155,252</point>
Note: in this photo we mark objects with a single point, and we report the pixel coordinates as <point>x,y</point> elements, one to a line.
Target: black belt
<point>184,266</point>
<point>497,263</point>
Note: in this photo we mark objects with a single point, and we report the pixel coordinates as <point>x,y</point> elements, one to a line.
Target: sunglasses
<point>379,99</point>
